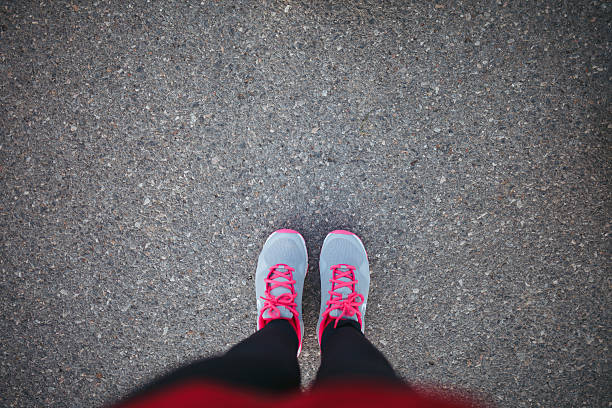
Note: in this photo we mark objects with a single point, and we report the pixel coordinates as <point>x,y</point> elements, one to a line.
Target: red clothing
<point>346,394</point>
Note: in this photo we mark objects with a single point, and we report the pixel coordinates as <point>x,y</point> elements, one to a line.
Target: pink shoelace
<point>287,300</point>
<point>350,305</point>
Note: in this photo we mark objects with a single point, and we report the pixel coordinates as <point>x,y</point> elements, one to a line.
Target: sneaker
<point>279,280</point>
<point>345,280</point>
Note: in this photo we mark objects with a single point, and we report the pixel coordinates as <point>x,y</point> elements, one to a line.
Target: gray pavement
<point>147,149</point>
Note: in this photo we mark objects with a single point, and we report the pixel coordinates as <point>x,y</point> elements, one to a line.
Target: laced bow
<point>348,306</point>
<point>287,300</point>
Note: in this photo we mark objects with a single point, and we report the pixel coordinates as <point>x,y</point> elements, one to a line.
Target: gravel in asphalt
<point>147,149</point>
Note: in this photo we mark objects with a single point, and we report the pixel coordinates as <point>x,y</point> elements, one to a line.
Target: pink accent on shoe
<point>343,232</point>
<point>286,300</point>
<point>287,231</point>
<point>295,323</point>
<point>322,327</point>
<point>350,305</point>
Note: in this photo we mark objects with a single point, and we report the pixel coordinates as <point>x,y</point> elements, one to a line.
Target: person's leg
<point>266,360</point>
<point>345,283</point>
<point>347,354</point>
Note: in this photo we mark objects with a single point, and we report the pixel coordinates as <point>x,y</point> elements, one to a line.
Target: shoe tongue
<point>345,291</point>
<point>276,292</point>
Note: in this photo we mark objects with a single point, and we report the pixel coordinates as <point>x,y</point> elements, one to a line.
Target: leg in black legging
<point>265,361</point>
<point>347,354</point>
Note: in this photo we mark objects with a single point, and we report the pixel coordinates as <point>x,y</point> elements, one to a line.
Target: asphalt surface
<point>147,149</point>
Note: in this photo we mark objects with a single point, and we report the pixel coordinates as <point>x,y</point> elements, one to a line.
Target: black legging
<point>267,361</point>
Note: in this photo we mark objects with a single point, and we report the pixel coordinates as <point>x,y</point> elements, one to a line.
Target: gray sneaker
<point>345,280</point>
<point>279,280</point>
